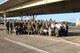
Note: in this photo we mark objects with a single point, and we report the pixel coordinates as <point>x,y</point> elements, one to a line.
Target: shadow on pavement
<point>2,29</point>
<point>73,34</point>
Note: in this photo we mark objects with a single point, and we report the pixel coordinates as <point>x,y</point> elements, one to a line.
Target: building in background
<point>78,22</point>
<point>1,20</point>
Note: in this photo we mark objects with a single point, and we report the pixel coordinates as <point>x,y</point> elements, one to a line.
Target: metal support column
<point>4,15</point>
<point>45,1</point>
<point>21,18</point>
<point>32,17</point>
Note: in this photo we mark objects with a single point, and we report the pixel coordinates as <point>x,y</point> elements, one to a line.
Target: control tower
<point>78,22</point>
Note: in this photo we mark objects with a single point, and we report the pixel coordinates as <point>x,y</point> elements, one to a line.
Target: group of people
<point>40,27</point>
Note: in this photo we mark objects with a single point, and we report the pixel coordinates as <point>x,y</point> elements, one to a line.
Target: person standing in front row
<point>52,28</point>
<point>58,29</point>
<point>66,30</point>
<point>7,26</point>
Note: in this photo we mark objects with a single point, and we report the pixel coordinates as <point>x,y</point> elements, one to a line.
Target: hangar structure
<point>36,7</point>
<point>13,8</point>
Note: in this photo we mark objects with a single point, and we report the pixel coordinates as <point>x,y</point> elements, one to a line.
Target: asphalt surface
<point>8,47</point>
<point>43,43</point>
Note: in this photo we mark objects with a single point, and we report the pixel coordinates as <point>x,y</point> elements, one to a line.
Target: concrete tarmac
<point>35,44</point>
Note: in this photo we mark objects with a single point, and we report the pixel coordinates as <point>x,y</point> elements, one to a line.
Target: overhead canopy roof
<point>12,3</point>
<point>51,8</point>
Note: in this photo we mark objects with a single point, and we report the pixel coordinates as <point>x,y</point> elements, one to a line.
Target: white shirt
<point>52,25</point>
<point>45,30</point>
<point>64,26</point>
<point>58,26</point>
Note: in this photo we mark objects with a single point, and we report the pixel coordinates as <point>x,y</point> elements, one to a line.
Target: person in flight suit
<point>7,26</point>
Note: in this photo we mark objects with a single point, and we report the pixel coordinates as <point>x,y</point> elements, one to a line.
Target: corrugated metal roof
<point>11,3</point>
<point>51,8</point>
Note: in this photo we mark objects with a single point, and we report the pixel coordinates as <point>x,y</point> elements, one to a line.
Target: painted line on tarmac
<point>27,46</point>
<point>79,52</point>
<point>53,39</point>
<point>70,42</point>
<point>64,41</point>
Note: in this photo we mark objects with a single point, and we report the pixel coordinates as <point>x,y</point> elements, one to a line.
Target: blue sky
<point>2,1</point>
<point>71,17</point>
